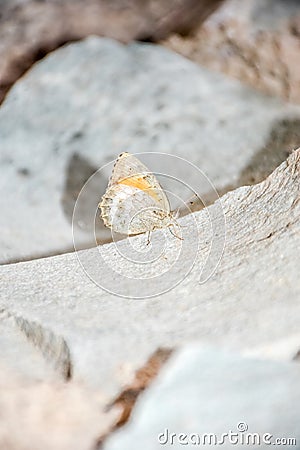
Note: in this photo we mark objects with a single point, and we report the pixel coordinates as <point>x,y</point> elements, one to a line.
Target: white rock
<point>250,302</point>
<point>97,98</point>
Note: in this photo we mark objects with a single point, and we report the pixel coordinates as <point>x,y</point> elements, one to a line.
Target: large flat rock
<point>81,106</point>
<point>207,398</point>
<point>248,303</point>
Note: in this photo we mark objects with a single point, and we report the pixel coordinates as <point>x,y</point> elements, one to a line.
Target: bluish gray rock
<point>208,398</point>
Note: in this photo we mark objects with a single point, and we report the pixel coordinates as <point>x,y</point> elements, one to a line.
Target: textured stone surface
<point>256,41</point>
<point>19,354</point>
<point>30,29</point>
<point>44,415</point>
<point>207,391</point>
<point>251,301</point>
<point>87,102</point>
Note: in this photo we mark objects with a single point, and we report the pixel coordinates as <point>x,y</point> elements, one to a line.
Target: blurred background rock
<point>257,41</point>
<point>30,29</point>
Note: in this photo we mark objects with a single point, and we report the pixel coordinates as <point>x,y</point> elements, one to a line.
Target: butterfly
<point>134,201</point>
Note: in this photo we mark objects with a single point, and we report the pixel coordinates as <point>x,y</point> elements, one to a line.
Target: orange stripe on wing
<point>140,183</point>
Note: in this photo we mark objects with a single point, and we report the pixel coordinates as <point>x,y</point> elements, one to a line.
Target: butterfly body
<point>134,201</point>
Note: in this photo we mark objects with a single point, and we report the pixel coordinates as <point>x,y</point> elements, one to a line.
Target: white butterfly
<point>134,201</point>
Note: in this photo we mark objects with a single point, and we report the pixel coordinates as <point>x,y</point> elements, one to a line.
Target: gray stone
<point>207,392</point>
<point>85,103</point>
<point>250,301</point>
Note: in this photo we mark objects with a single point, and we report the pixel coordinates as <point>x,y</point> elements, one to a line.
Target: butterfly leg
<point>149,233</point>
<point>148,237</point>
<point>174,234</point>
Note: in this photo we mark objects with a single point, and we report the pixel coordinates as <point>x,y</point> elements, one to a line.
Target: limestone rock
<point>29,29</point>
<point>84,104</point>
<point>20,355</point>
<point>256,41</point>
<point>249,301</point>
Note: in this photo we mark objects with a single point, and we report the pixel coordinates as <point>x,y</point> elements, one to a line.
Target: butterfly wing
<point>133,189</point>
<point>129,210</point>
<point>130,171</point>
